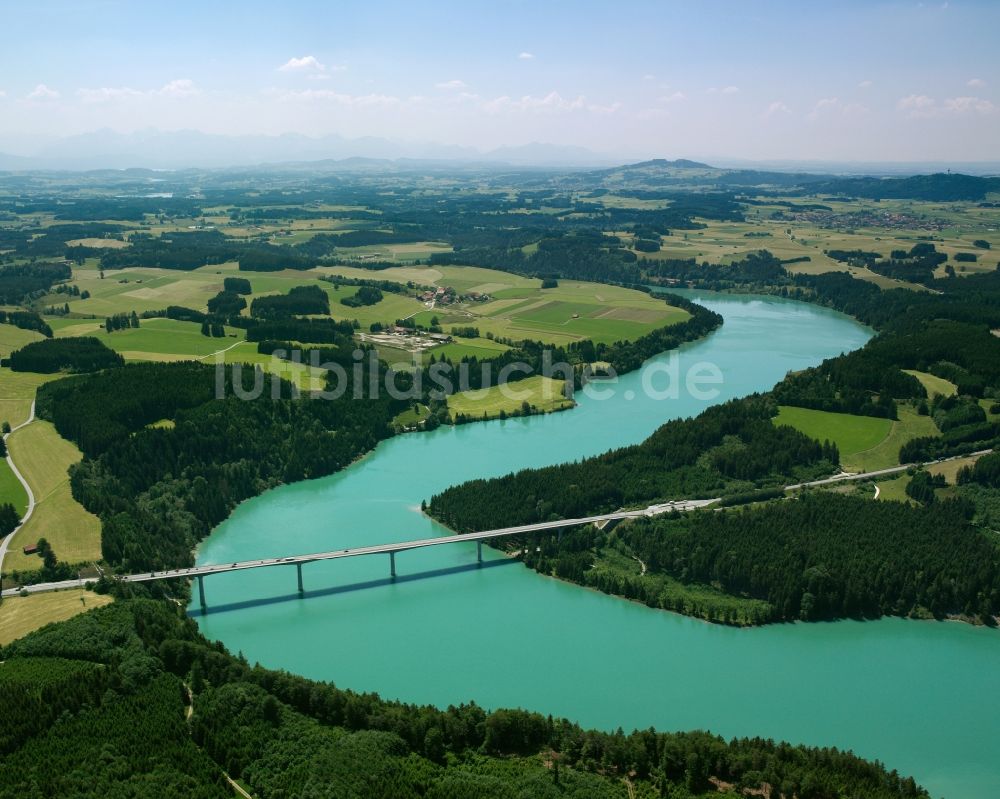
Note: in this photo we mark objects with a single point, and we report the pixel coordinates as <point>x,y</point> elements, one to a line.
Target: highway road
<point>376,549</point>
<point>196,572</point>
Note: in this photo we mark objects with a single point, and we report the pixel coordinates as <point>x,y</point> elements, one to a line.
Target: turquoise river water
<point>919,696</point>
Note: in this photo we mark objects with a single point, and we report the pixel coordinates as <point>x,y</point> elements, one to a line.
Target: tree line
<point>76,354</point>
<point>728,448</point>
<point>137,664</point>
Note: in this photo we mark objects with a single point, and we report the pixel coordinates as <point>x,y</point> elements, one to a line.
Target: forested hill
<point>940,187</point>
<point>936,187</point>
<point>787,561</point>
<point>729,448</point>
<point>824,557</point>
<point>96,707</point>
<point>159,490</point>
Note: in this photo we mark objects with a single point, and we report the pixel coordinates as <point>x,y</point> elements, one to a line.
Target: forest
<point>141,664</point>
<point>21,281</point>
<point>26,320</point>
<point>302,300</point>
<point>50,355</point>
<point>727,449</point>
<point>819,557</point>
<point>158,491</point>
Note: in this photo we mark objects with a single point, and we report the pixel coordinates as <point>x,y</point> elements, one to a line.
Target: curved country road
<point>31,497</point>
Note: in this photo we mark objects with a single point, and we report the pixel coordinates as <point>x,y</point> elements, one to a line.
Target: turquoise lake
<point>919,696</point>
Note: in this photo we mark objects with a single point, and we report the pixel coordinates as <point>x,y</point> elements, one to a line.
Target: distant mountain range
<point>191,149</point>
<point>155,149</point>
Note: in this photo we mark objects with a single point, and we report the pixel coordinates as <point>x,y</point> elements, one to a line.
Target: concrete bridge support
<point>298,568</point>
<point>392,564</point>
<point>479,551</point>
<point>201,590</point>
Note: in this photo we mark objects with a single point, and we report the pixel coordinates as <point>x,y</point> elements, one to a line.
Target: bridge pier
<point>479,551</point>
<point>298,568</point>
<point>392,564</point>
<point>201,590</point>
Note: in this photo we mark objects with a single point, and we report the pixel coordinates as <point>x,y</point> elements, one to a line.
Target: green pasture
<point>544,394</point>
<point>852,434</point>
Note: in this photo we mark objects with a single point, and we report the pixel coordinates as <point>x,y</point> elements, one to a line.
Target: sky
<point>835,81</point>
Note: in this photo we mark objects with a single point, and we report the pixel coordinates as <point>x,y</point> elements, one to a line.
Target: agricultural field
<point>17,392</point>
<point>910,425</point>
<point>154,339</point>
<point>44,458</point>
<point>518,308</point>
<point>950,468</point>
<point>933,384</point>
<point>306,377</point>
<point>13,338</point>
<point>795,232</point>
<point>852,434</point>
<point>22,615</point>
<point>11,489</point>
<point>140,289</point>
<point>543,394</point>
<point>894,489</point>
<point>865,443</point>
<point>480,348</point>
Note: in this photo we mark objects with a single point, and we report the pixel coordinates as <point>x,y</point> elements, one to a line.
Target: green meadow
<point>865,443</point>
<point>543,394</point>
<point>933,384</point>
<point>852,434</point>
<point>11,489</point>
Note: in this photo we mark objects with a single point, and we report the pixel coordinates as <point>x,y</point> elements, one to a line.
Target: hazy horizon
<point>883,82</point>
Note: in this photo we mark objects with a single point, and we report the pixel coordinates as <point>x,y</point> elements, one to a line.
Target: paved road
<point>403,546</point>
<point>31,496</point>
<point>384,549</point>
<point>847,476</point>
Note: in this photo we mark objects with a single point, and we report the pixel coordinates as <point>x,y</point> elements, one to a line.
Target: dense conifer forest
<point>97,680</point>
<point>83,354</point>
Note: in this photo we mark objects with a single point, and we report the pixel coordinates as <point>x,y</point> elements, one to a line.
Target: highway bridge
<point>199,573</point>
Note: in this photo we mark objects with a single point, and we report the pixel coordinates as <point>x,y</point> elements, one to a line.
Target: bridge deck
<point>402,546</point>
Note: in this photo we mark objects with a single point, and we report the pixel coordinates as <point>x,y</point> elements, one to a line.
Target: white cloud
<point>339,98</point>
<point>673,98</point>
<point>976,83</point>
<point>919,105</point>
<point>916,105</point>
<point>524,56</point>
<point>723,90</point>
<point>2,93</point>
<point>968,105</point>
<point>451,85</point>
<point>823,105</point>
<point>553,102</point>
<point>106,94</point>
<point>179,88</point>
<point>307,63</point>
<point>595,108</point>
<point>649,76</point>
<point>43,92</point>
<point>777,107</point>
<point>866,84</point>
<point>182,87</point>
